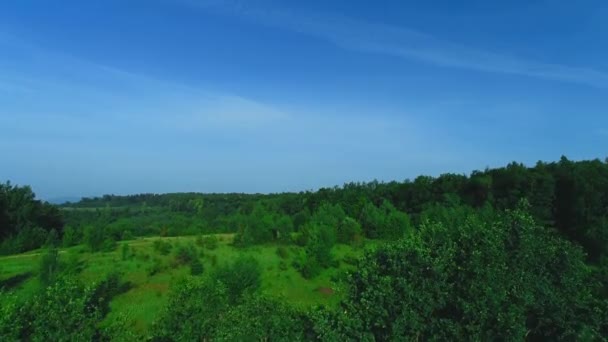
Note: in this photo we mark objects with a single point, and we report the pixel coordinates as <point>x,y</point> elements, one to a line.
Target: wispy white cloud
<point>405,43</point>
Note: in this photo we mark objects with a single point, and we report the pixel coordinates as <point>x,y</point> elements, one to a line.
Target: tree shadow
<point>14,281</point>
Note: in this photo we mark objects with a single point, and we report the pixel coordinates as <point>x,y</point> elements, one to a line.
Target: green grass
<point>146,298</point>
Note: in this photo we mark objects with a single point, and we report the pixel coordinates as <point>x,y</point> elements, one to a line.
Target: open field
<point>148,293</point>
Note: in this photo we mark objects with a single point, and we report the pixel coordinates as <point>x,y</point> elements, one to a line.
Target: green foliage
<point>71,236</point>
<point>282,252</point>
<point>263,319</point>
<point>507,280</point>
<point>210,242</point>
<point>195,297</point>
<point>349,231</point>
<point>156,267</point>
<point>196,267</point>
<point>95,238</point>
<point>25,221</point>
<point>50,267</point>
<point>385,222</point>
<point>185,254</point>
<point>64,311</point>
<point>73,264</point>
<point>127,235</point>
<point>125,251</point>
<point>162,246</point>
<point>52,239</point>
<point>103,292</point>
<point>240,278</point>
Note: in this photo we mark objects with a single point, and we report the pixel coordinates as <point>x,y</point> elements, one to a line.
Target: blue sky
<point>123,97</point>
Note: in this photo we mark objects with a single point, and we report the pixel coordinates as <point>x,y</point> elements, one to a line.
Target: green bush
<point>162,246</point>
<point>156,267</point>
<point>282,252</point>
<point>196,267</point>
<point>240,278</point>
<point>283,266</point>
<point>71,236</point>
<point>185,254</point>
<point>211,242</point>
<point>50,266</point>
<point>125,251</point>
<point>200,298</point>
<point>64,311</point>
<point>109,245</point>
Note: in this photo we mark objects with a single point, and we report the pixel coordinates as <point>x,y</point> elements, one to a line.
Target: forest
<point>511,253</point>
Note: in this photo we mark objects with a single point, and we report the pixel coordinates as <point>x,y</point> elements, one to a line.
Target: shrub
<point>94,238</point>
<point>196,267</point>
<point>348,230</point>
<point>156,267</point>
<point>185,254</point>
<point>49,267</point>
<point>213,259</point>
<point>263,319</point>
<point>105,290</point>
<point>109,245</point>
<point>210,242</point>
<point>127,235</point>
<point>125,251</point>
<point>71,236</point>
<point>162,246</point>
<point>202,298</point>
<point>240,278</point>
<point>73,264</point>
<point>282,252</point>
<point>283,266</point>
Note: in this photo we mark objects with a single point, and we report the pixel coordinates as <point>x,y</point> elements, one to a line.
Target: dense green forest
<point>511,253</point>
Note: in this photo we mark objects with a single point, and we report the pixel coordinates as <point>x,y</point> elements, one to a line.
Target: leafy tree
<point>264,319</point>
<point>349,231</point>
<point>71,237</point>
<point>195,297</point>
<point>239,278</point>
<point>482,281</point>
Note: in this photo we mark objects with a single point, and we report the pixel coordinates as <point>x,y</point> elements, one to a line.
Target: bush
<point>125,251</point>
<point>109,245</point>
<point>283,266</point>
<point>195,297</point>
<point>156,267</point>
<point>63,312</point>
<point>105,290</point>
<point>348,230</point>
<point>263,319</point>
<point>49,267</point>
<point>240,278</point>
<point>196,267</point>
<point>282,252</point>
<point>213,259</point>
<point>127,235</point>
<point>185,254</point>
<point>73,264</point>
<point>71,237</point>
<point>94,238</point>
<point>210,242</point>
<point>162,246</point>
<point>309,269</point>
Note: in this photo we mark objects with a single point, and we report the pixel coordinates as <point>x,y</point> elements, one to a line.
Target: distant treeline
<point>567,195</point>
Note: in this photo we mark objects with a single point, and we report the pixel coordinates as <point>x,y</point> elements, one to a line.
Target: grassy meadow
<point>148,290</point>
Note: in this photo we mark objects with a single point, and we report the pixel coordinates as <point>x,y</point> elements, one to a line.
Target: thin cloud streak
<point>405,43</point>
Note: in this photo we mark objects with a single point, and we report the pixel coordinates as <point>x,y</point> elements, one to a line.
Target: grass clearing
<point>148,294</point>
